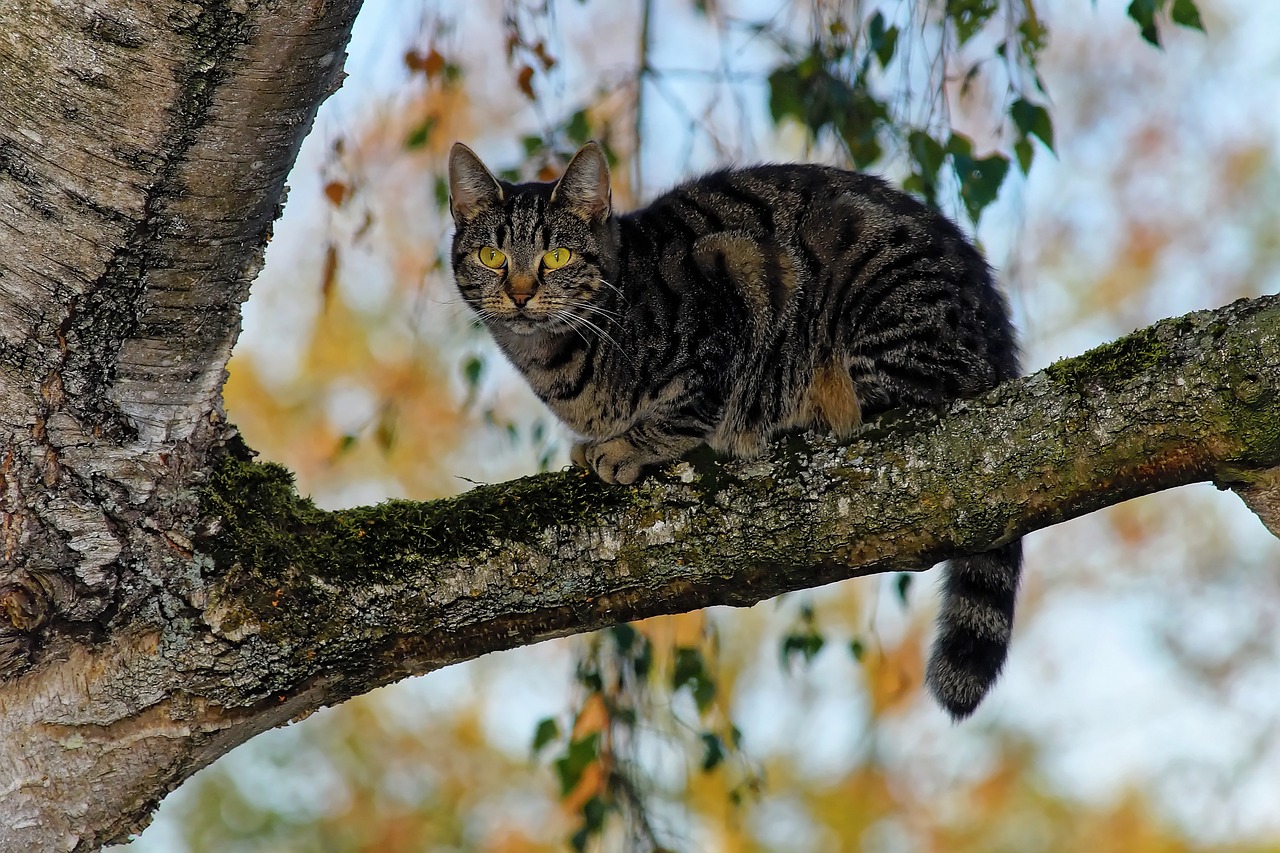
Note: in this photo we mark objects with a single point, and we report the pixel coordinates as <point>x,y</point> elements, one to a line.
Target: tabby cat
<point>737,306</point>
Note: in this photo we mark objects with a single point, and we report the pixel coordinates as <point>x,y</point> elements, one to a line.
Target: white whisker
<point>612,287</point>
<point>568,321</point>
<point>595,309</point>
<point>602,333</point>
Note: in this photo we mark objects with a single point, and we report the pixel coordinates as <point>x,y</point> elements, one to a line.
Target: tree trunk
<point>144,146</point>
<point>164,598</point>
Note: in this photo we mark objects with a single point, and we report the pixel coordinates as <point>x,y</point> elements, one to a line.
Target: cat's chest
<point>588,393</point>
<point>597,413</point>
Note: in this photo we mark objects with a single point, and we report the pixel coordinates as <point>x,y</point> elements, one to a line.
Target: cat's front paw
<point>578,455</point>
<point>616,462</point>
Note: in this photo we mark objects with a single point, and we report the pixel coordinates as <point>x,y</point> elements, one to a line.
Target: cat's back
<point>774,199</point>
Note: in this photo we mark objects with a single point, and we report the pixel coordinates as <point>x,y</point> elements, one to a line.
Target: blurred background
<point>1140,710</point>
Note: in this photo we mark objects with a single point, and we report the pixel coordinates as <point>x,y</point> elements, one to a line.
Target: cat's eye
<point>492,258</point>
<point>556,258</point>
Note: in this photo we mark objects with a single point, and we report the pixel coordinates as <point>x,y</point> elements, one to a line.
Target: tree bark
<point>163,598</point>
<point>144,146</point>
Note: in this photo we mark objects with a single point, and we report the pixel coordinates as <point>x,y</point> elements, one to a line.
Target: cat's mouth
<point>524,325</point>
<point>530,320</point>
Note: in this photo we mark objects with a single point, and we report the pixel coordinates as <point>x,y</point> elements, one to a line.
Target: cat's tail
<point>974,625</point>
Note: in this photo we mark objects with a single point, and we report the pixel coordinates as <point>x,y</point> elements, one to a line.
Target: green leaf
<point>1032,119</point>
<point>642,660</point>
<point>1185,14</point>
<point>882,41</point>
<point>547,731</point>
<point>624,637</point>
<point>532,145</point>
<point>591,681</point>
<point>610,156</point>
<point>688,667</point>
<point>593,811</point>
<point>691,670</point>
<point>786,94</point>
<point>904,587</point>
<point>442,192</point>
<point>959,144</point>
<point>472,370</point>
<point>857,116</point>
<point>806,645</point>
<point>704,693</point>
<point>385,430</point>
<point>812,94</point>
<point>633,646</point>
<point>1032,38</point>
<point>712,751</point>
<point>927,152</point>
<point>580,755</point>
<point>1143,12</point>
<point>969,16</point>
<point>419,135</point>
<point>593,814</point>
<point>578,129</point>
<point>1025,153</point>
<point>980,182</point>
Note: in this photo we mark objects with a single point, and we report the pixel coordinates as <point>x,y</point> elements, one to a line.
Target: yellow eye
<point>492,258</point>
<point>556,258</point>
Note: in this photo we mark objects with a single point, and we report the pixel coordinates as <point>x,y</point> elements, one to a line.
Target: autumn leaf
<point>329,273</point>
<point>525,81</point>
<point>547,60</point>
<point>337,192</point>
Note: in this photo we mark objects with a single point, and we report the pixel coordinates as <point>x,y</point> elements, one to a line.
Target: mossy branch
<point>376,593</point>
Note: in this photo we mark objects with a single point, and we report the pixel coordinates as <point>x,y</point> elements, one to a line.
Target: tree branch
<point>405,587</point>
<point>290,608</point>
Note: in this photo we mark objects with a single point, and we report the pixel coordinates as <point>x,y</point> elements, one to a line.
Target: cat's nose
<point>521,291</point>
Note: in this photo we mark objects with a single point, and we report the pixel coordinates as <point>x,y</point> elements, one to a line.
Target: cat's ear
<point>584,186</point>
<point>471,184</point>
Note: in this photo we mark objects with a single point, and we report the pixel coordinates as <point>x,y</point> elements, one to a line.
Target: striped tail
<point>974,625</point>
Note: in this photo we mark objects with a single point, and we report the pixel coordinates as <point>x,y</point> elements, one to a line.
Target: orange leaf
<point>525,82</point>
<point>894,676</point>
<point>337,192</point>
<point>547,60</point>
<point>435,63</point>
<point>415,61</point>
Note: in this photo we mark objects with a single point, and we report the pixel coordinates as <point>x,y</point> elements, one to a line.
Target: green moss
<point>266,528</point>
<point>1113,363</point>
<point>712,475</point>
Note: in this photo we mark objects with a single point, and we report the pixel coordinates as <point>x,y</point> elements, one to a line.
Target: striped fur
<point>737,306</point>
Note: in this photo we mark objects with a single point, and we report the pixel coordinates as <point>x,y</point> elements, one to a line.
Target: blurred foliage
<point>797,725</point>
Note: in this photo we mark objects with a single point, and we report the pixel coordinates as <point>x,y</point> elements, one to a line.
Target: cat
<point>735,307</point>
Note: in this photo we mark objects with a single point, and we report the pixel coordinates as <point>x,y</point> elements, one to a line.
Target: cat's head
<point>532,257</point>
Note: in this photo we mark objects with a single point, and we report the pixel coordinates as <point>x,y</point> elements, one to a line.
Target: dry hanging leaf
<point>337,192</point>
<point>329,273</point>
<point>525,82</point>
